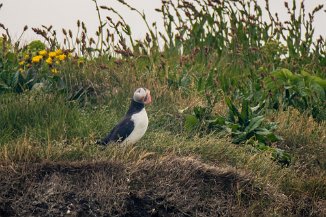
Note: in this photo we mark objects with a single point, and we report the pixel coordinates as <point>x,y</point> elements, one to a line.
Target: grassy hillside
<point>237,123</point>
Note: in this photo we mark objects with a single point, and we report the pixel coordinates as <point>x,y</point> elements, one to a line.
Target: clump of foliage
<point>37,68</point>
<point>247,126</point>
<point>302,91</point>
<point>8,63</point>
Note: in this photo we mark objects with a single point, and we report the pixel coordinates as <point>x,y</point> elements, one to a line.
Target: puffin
<point>134,124</point>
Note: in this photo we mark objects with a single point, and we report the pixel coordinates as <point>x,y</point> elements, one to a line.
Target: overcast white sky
<point>15,14</point>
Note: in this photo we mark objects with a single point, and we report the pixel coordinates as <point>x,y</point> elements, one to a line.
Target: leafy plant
<point>36,46</point>
<point>249,124</point>
<point>34,66</point>
<point>8,64</point>
<point>302,91</point>
<point>246,126</point>
<point>281,156</point>
<point>199,119</point>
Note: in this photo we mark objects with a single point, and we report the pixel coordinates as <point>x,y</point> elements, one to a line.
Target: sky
<point>15,14</point>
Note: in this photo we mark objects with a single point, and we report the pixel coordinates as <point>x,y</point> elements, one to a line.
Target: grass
<point>58,123</point>
<point>42,126</point>
<point>57,131</point>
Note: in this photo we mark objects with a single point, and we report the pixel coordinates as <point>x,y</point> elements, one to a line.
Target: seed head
<point>286,4</point>
<point>64,31</point>
<point>148,38</point>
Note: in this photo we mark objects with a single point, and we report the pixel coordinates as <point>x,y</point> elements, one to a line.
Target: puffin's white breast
<point>140,120</point>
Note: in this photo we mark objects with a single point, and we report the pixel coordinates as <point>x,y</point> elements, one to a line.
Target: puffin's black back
<point>125,127</point>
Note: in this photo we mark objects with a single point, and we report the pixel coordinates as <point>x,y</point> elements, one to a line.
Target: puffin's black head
<point>142,95</point>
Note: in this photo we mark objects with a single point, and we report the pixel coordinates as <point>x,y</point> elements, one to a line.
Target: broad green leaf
<point>36,46</point>
<point>235,112</point>
<point>233,126</point>
<point>281,156</point>
<point>17,79</point>
<point>245,112</point>
<point>239,137</point>
<point>191,122</point>
<point>273,137</point>
<point>254,123</point>
<point>262,147</point>
<point>283,74</point>
<point>11,57</point>
<point>263,131</point>
<point>219,120</point>
<point>4,86</point>
<point>316,79</point>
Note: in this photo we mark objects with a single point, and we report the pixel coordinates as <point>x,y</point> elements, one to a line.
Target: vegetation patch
<point>144,188</point>
<point>233,87</point>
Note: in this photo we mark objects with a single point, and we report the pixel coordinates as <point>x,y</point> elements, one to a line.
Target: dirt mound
<point>166,187</point>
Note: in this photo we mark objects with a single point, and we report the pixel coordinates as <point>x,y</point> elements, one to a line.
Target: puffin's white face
<point>142,95</point>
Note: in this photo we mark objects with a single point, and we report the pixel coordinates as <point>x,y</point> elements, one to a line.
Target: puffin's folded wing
<point>120,132</point>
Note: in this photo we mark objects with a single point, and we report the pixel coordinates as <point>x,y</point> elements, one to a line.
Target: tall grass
<point>38,115</point>
<point>243,43</point>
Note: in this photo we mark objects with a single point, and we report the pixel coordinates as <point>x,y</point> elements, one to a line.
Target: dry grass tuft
<point>168,186</point>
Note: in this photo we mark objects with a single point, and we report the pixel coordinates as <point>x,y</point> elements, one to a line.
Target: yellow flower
<point>52,54</point>
<point>21,63</point>
<point>58,52</point>
<point>26,57</point>
<point>36,59</point>
<point>62,57</point>
<point>49,60</point>
<point>57,62</point>
<point>43,52</point>
<point>54,71</point>
<point>21,69</point>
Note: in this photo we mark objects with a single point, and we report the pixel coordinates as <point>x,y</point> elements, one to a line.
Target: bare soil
<point>170,186</point>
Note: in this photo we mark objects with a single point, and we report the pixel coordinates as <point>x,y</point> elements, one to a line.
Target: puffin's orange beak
<point>148,97</point>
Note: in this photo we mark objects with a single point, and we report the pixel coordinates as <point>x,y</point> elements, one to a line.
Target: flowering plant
<point>49,61</point>
<point>31,67</point>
